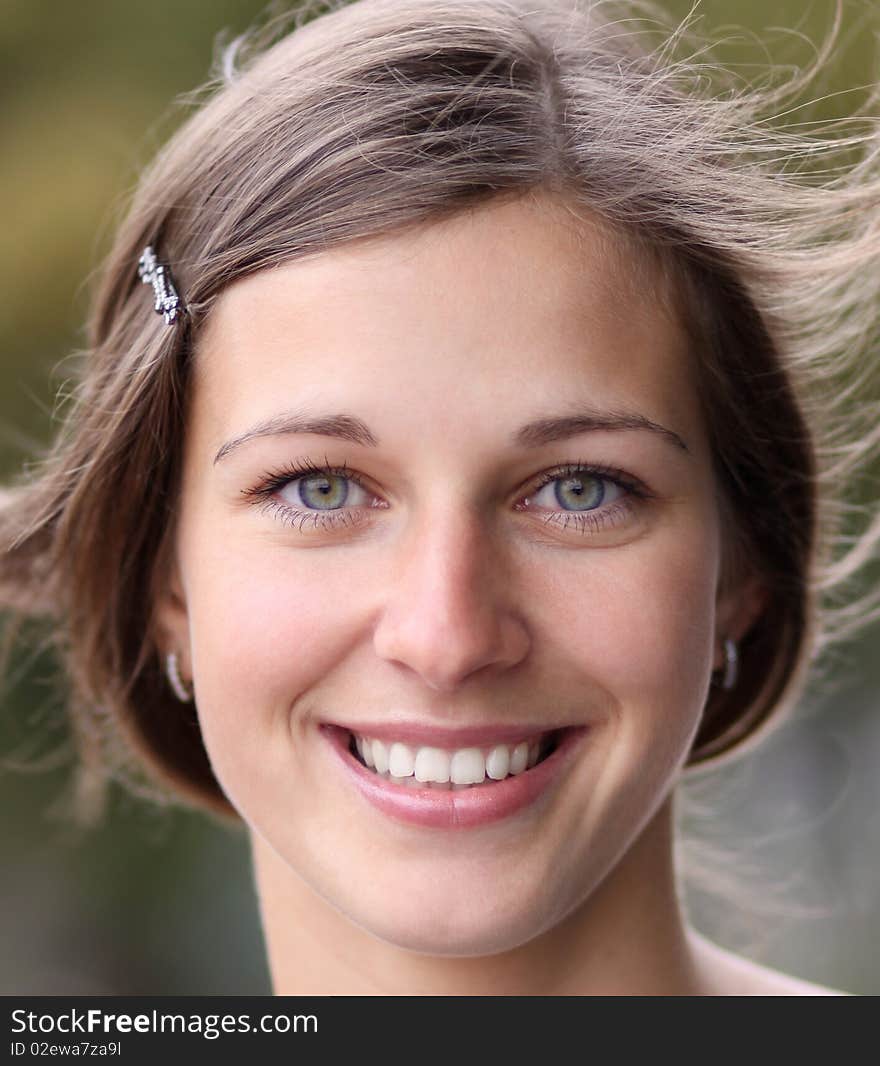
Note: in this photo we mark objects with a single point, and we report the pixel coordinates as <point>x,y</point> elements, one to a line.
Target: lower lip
<point>455,809</point>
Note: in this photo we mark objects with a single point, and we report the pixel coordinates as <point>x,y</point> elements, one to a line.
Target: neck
<point>628,938</point>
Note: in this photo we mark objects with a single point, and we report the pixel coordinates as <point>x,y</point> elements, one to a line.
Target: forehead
<point>499,311</point>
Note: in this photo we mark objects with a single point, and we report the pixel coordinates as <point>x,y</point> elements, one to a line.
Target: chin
<point>472,939</point>
<point>461,924</point>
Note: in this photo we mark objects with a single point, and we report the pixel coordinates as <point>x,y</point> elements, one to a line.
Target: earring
<point>731,660</point>
<point>180,690</point>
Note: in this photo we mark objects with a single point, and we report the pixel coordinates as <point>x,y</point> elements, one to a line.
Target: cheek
<point>266,625</point>
<point>267,620</point>
<point>636,640</point>
<point>639,620</point>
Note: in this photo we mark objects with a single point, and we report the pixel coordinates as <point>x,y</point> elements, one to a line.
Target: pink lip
<point>420,734</point>
<point>454,809</point>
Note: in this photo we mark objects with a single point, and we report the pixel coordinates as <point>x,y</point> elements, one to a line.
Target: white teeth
<point>468,767</point>
<point>401,760</point>
<point>380,756</point>
<point>432,764</point>
<point>498,762</point>
<point>431,767</point>
<point>519,758</point>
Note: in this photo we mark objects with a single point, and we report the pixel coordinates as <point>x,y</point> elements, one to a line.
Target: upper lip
<point>452,737</point>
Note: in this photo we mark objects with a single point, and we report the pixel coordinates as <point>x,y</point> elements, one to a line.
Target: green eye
<point>323,491</point>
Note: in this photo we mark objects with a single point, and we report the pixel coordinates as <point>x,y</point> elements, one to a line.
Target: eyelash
<point>263,494</point>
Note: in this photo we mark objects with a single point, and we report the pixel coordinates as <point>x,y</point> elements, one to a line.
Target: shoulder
<point>723,973</point>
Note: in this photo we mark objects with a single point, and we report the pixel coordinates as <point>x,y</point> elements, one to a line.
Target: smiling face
<point>436,594</point>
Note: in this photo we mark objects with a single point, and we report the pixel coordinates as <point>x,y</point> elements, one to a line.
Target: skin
<point>448,604</point>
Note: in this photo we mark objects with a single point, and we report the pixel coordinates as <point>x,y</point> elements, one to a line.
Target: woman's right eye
<point>326,492</point>
<point>305,493</point>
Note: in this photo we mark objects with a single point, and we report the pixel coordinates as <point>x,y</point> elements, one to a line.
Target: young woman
<point>481,472</point>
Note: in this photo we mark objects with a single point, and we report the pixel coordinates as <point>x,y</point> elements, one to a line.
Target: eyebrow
<point>532,435</point>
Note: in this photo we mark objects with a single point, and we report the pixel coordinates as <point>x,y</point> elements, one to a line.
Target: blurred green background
<point>162,902</point>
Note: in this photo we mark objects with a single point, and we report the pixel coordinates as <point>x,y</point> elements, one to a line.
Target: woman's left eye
<point>588,497</point>
<point>579,491</point>
<point>591,498</point>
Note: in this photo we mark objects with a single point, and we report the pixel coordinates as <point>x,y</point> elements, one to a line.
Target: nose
<point>449,613</point>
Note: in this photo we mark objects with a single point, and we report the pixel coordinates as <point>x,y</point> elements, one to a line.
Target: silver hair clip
<point>151,272</point>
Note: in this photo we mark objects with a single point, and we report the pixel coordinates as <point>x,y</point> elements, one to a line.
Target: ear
<point>737,611</point>
<point>170,614</point>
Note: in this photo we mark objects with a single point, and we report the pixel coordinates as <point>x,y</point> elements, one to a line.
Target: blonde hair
<point>374,116</point>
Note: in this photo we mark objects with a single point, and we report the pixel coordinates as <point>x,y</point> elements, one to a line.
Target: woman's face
<point>434,596</point>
